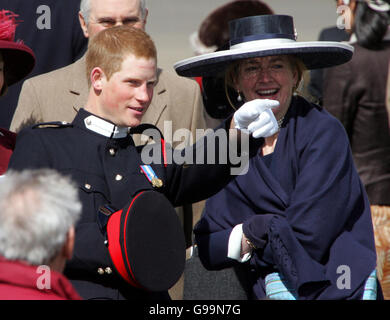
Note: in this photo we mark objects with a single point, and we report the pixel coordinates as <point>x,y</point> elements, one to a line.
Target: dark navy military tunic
<point>107,171</point>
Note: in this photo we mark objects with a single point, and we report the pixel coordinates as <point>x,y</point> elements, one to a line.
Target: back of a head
<point>111,46</point>
<point>214,30</point>
<point>37,209</point>
<point>370,25</point>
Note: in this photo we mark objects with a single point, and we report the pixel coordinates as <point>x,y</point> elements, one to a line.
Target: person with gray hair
<point>85,9</point>
<point>38,211</point>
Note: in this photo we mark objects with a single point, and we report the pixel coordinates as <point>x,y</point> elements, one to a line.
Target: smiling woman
<point>287,222</point>
<point>272,77</point>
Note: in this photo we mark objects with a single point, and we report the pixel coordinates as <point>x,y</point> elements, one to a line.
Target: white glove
<point>256,117</point>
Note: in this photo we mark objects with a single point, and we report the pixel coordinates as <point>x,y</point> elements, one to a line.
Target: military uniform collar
<point>102,126</point>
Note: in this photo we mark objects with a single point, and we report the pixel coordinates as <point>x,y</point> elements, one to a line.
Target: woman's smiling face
<point>271,77</point>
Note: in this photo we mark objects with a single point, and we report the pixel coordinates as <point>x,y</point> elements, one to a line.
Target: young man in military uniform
<point>98,152</point>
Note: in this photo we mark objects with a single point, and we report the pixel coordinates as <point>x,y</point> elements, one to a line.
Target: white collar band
<point>105,128</point>
<point>259,43</point>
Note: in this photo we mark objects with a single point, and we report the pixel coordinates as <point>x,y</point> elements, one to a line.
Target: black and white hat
<point>265,35</point>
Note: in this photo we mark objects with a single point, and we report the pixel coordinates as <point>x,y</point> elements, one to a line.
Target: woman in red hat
<point>16,61</point>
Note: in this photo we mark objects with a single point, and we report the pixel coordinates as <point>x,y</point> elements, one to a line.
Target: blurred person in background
<point>51,29</point>
<point>334,33</point>
<point>16,61</point>
<point>388,95</point>
<point>355,93</point>
<point>38,212</point>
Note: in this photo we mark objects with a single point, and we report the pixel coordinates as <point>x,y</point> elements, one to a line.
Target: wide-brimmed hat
<point>266,35</point>
<point>19,59</point>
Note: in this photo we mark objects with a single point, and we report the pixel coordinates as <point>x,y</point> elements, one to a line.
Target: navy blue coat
<point>303,206</point>
<point>85,155</point>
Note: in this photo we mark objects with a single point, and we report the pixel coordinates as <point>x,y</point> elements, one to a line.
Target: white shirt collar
<point>105,128</point>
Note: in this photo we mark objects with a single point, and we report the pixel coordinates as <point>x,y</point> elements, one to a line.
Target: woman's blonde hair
<point>109,48</point>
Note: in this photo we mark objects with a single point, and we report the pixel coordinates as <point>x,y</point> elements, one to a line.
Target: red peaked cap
<point>146,242</point>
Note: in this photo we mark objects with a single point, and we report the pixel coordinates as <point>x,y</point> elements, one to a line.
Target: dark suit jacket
<point>355,93</point>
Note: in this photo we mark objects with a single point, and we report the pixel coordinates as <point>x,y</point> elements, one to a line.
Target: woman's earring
<point>239,98</point>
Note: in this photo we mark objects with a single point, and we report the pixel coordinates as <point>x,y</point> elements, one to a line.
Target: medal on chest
<point>151,176</point>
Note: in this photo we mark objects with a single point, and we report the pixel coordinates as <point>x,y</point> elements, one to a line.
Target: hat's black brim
<point>153,242</point>
<point>312,57</point>
<point>17,64</point>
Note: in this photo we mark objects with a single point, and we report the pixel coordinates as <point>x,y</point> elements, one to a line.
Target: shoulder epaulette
<point>53,124</point>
